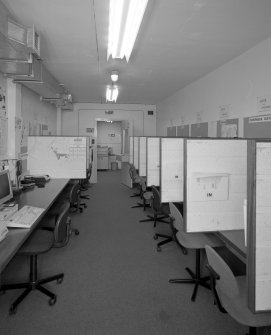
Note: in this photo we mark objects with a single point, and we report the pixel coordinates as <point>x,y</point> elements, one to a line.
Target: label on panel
<point>171,169</point>
<point>153,161</point>
<point>216,182</point>
<point>209,187</point>
<point>142,156</point>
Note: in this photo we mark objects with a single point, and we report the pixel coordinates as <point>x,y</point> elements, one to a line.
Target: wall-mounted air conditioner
<point>28,38</point>
<point>33,41</point>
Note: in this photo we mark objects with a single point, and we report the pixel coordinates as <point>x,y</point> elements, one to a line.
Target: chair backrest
<point>132,171</point>
<point>62,226</point>
<point>178,218</point>
<point>156,201</point>
<point>74,195</point>
<point>143,185</point>
<point>227,282</point>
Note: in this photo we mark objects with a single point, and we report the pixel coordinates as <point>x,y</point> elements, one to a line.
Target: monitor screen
<point>5,187</point>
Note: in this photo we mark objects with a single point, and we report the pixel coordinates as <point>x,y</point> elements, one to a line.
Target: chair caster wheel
<point>12,310</point>
<point>52,301</point>
<point>159,249</point>
<point>59,280</point>
<point>76,232</point>
<point>155,237</point>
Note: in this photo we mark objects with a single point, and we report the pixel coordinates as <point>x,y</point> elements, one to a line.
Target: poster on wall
<point>3,111</point>
<point>19,133</point>
<point>224,112</point>
<point>3,137</point>
<point>264,104</point>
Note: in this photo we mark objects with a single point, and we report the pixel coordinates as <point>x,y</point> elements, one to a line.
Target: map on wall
<point>57,156</point>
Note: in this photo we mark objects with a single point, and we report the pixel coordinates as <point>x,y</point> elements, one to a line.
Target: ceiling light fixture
<point>112,93</point>
<point>125,17</point>
<point>114,76</point>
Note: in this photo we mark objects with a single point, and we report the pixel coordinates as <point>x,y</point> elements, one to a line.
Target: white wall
<point>35,110</point>
<point>86,114</point>
<point>237,84</point>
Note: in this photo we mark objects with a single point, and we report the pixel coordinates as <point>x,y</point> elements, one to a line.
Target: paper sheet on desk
<point>3,230</point>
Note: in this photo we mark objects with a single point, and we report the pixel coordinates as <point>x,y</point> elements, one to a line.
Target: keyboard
<point>24,217</point>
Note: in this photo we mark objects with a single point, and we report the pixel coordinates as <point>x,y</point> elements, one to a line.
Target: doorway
<point>112,143</point>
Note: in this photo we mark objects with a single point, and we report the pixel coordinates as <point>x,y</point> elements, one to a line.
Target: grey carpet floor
<point>116,283</point>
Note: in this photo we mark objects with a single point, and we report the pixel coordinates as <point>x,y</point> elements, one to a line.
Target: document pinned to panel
<point>171,169</point>
<point>57,156</point>
<point>216,184</point>
<point>153,161</point>
<point>142,156</point>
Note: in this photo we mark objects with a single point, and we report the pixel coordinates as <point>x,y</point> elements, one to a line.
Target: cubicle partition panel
<point>215,184</point>
<point>136,152</point>
<point>259,226</point>
<point>153,161</point>
<point>142,156</point>
<point>57,156</point>
<point>131,150</point>
<point>171,172</point>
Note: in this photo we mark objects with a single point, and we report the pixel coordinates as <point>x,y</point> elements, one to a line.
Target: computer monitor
<point>5,187</point>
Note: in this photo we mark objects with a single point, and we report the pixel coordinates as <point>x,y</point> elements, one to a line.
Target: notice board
<point>199,129</point>
<point>257,126</point>
<point>57,156</point>
<point>171,131</point>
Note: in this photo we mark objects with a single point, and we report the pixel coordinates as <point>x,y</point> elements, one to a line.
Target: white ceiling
<point>179,42</point>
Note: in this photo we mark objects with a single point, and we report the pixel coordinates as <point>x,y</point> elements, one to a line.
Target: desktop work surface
<point>38,197</point>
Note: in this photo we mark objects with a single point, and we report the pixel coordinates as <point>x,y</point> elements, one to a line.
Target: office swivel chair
<point>196,241</point>
<point>41,241</point>
<point>145,195</point>
<point>160,210</point>
<point>52,216</point>
<point>175,225</point>
<point>74,198</point>
<point>230,293</point>
<point>136,180</point>
<point>84,183</point>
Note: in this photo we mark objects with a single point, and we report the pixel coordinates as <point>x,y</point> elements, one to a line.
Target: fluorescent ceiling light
<point>114,76</point>
<point>112,93</point>
<point>125,17</point>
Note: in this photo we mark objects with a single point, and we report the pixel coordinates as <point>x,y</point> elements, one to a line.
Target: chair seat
<point>197,240</point>
<point>39,242</point>
<point>147,195</point>
<point>238,308</point>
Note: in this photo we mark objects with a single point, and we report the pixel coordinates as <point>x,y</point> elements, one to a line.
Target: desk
<point>39,197</point>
